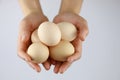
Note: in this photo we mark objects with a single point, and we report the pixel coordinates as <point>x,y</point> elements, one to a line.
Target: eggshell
<point>68,31</point>
<point>61,51</point>
<point>38,52</point>
<point>49,33</point>
<point>34,36</point>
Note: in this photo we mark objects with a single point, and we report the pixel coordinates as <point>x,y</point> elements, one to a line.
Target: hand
<point>27,26</point>
<point>82,30</point>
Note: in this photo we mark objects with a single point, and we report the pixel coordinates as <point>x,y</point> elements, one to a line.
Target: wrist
<point>70,6</point>
<point>30,6</point>
<point>33,11</point>
<point>68,12</point>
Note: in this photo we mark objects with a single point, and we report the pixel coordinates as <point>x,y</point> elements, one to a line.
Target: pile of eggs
<point>52,40</point>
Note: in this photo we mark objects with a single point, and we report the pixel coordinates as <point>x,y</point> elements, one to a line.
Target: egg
<point>34,36</point>
<point>38,52</point>
<point>49,33</point>
<point>68,31</point>
<point>61,51</point>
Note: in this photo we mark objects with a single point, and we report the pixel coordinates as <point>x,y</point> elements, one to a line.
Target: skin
<point>30,6</point>
<point>82,30</point>
<point>69,11</point>
<point>33,18</point>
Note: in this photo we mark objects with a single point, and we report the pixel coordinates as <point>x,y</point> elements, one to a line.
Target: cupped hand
<point>27,26</point>
<point>82,31</point>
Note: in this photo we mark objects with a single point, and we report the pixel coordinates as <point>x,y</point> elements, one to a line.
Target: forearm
<point>30,6</point>
<point>73,6</point>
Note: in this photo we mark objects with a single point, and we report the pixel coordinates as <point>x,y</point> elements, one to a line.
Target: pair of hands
<point>32,21</point>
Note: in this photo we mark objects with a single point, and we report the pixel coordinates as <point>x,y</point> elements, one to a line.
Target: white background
<point>101,50</point>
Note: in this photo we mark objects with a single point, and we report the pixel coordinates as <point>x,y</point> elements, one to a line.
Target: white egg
<point>34,36</point>
<point>38,52</point>
<point>49,33</point>
<point>68,31</point>
<point>61,51</point>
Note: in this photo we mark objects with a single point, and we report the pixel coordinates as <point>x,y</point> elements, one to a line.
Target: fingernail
<point>61,71</point>
<point>56,71</point>
<point>37,70</point>
<point>48,67</point>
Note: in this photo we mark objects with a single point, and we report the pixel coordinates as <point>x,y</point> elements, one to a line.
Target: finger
<point>57,19</point>
<point>77,43</point>
<point>24,56</point>
<point>23,43</point>
<point>34,66</point>
<point>64,67</point>
<point>74,57</point>
<point>52,61</point>
<point>82,30</point>
<point>47,65</point>
<point>57,66</point>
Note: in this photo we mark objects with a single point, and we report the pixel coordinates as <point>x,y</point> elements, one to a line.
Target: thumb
<point>83,32</point>
<point>57,19</point>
